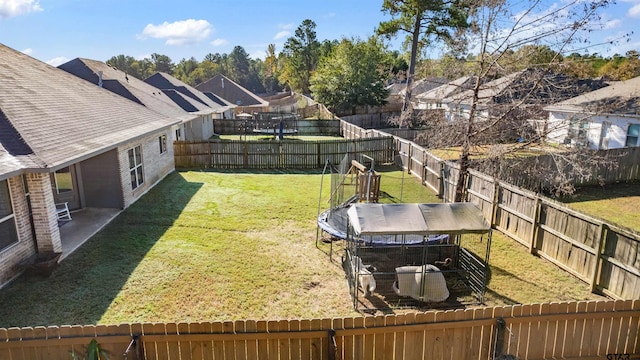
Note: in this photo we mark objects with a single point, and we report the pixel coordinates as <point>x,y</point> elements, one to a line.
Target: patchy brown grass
<point>213,246</point>
<point>615,203</point>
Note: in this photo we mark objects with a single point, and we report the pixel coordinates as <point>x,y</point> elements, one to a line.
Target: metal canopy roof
<point>421,219</point>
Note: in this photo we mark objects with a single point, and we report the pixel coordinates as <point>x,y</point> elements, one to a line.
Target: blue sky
<point>56,31</point>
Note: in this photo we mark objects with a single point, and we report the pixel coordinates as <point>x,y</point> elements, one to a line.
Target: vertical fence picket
<point>263,344</point>
<point>379,339</point>
<point>284,344</point>
<point>184,346</point>
<point>272,326</point>
<point>200,350</point>
<point>347,341</point>
<point>305,343</point>
<point>229,345</point>
<point>251,326</point>
<point>358,340</point>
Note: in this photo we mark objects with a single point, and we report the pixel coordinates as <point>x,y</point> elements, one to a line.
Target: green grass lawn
<point>211,246</point>
<point>615,203</point>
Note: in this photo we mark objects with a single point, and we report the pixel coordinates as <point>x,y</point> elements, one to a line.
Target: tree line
<point>351,72</point>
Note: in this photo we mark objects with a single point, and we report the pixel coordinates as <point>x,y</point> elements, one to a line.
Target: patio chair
<point>62,210</point>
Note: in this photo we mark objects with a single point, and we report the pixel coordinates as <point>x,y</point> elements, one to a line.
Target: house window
<point>162,141</point>
<point>63,180</point>
<point>178,135</point>
<point>578,130</point>
<point>135,167</point>
<point>8,233</point>
<point>633,134</point>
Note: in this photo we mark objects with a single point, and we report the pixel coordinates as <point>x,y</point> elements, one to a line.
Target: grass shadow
<point>86,283</point>
<point>606,192</point>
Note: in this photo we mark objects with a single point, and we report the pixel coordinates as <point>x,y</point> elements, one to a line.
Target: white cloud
<point>179,32</point>
<point>286,26</point>
<point>634,11</point>
<point>28,51</point>
<point>259,54</point>
<point>57,61</point>
<point>11,8</point>
<point>219,42</point>
<point>281,34</point>
<point>612,24</point>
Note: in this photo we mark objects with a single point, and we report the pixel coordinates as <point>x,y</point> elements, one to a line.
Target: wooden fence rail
<point>277,154</point>
<point>576,330</point>
<point>599,253</point>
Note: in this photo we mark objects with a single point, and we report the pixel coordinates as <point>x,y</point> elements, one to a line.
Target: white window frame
<point>10,217</point>
<point>162,141</point>
<point>133,168</point>
<point>626,142</point>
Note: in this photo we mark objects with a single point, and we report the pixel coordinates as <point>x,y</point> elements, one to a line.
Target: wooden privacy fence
<point>303,127</point>
<point>276,154</point>
<point>599,253</point>
<point>626,161</point>
<point>576,330</point>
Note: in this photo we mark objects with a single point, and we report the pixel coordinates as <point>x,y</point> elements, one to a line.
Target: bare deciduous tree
<point>495,120</point>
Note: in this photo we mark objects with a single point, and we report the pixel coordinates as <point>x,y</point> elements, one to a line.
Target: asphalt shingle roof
<point>620,98</point>
<point>126,86</point>
<point>531,86</point>
<point>449,89</point>
<point>231,91</point>
<point>63,118</point>
<point>167,82</point>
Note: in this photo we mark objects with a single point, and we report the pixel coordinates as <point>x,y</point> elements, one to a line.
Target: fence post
<point>441,182</point>
<point>533,249</point>
<point>246,154</point>
<point>410,159</point>
<point>498,343</point>
<point>209,144</point>
<point>494,205</point>
<point>597,268</point>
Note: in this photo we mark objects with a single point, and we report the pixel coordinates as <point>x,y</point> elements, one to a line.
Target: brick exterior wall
<point>43,207</point>
<point>155,165</point>
<point>11,257</point>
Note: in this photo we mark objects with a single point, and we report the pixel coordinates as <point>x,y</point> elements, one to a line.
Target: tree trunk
<point>412,63</point>
<point>466,145</point>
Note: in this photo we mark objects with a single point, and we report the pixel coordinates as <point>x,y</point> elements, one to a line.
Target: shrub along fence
<point>284,154</point>
<point>602,254</point>
<point>587,330</point>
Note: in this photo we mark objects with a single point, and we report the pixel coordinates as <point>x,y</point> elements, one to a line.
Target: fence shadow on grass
<point>606,192</point>
<point>88,282</point>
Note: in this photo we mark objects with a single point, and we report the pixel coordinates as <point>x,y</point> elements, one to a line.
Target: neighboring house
<point>458,106</point>
<point>421,86</point>
<point>177,90</point>
<point>433,99</point>
<point>223,87</point>
<point>64,140</point>
<point>608,118</point>
<point>521,95</point>
<point>196,118</point>
<point>398,91</point>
